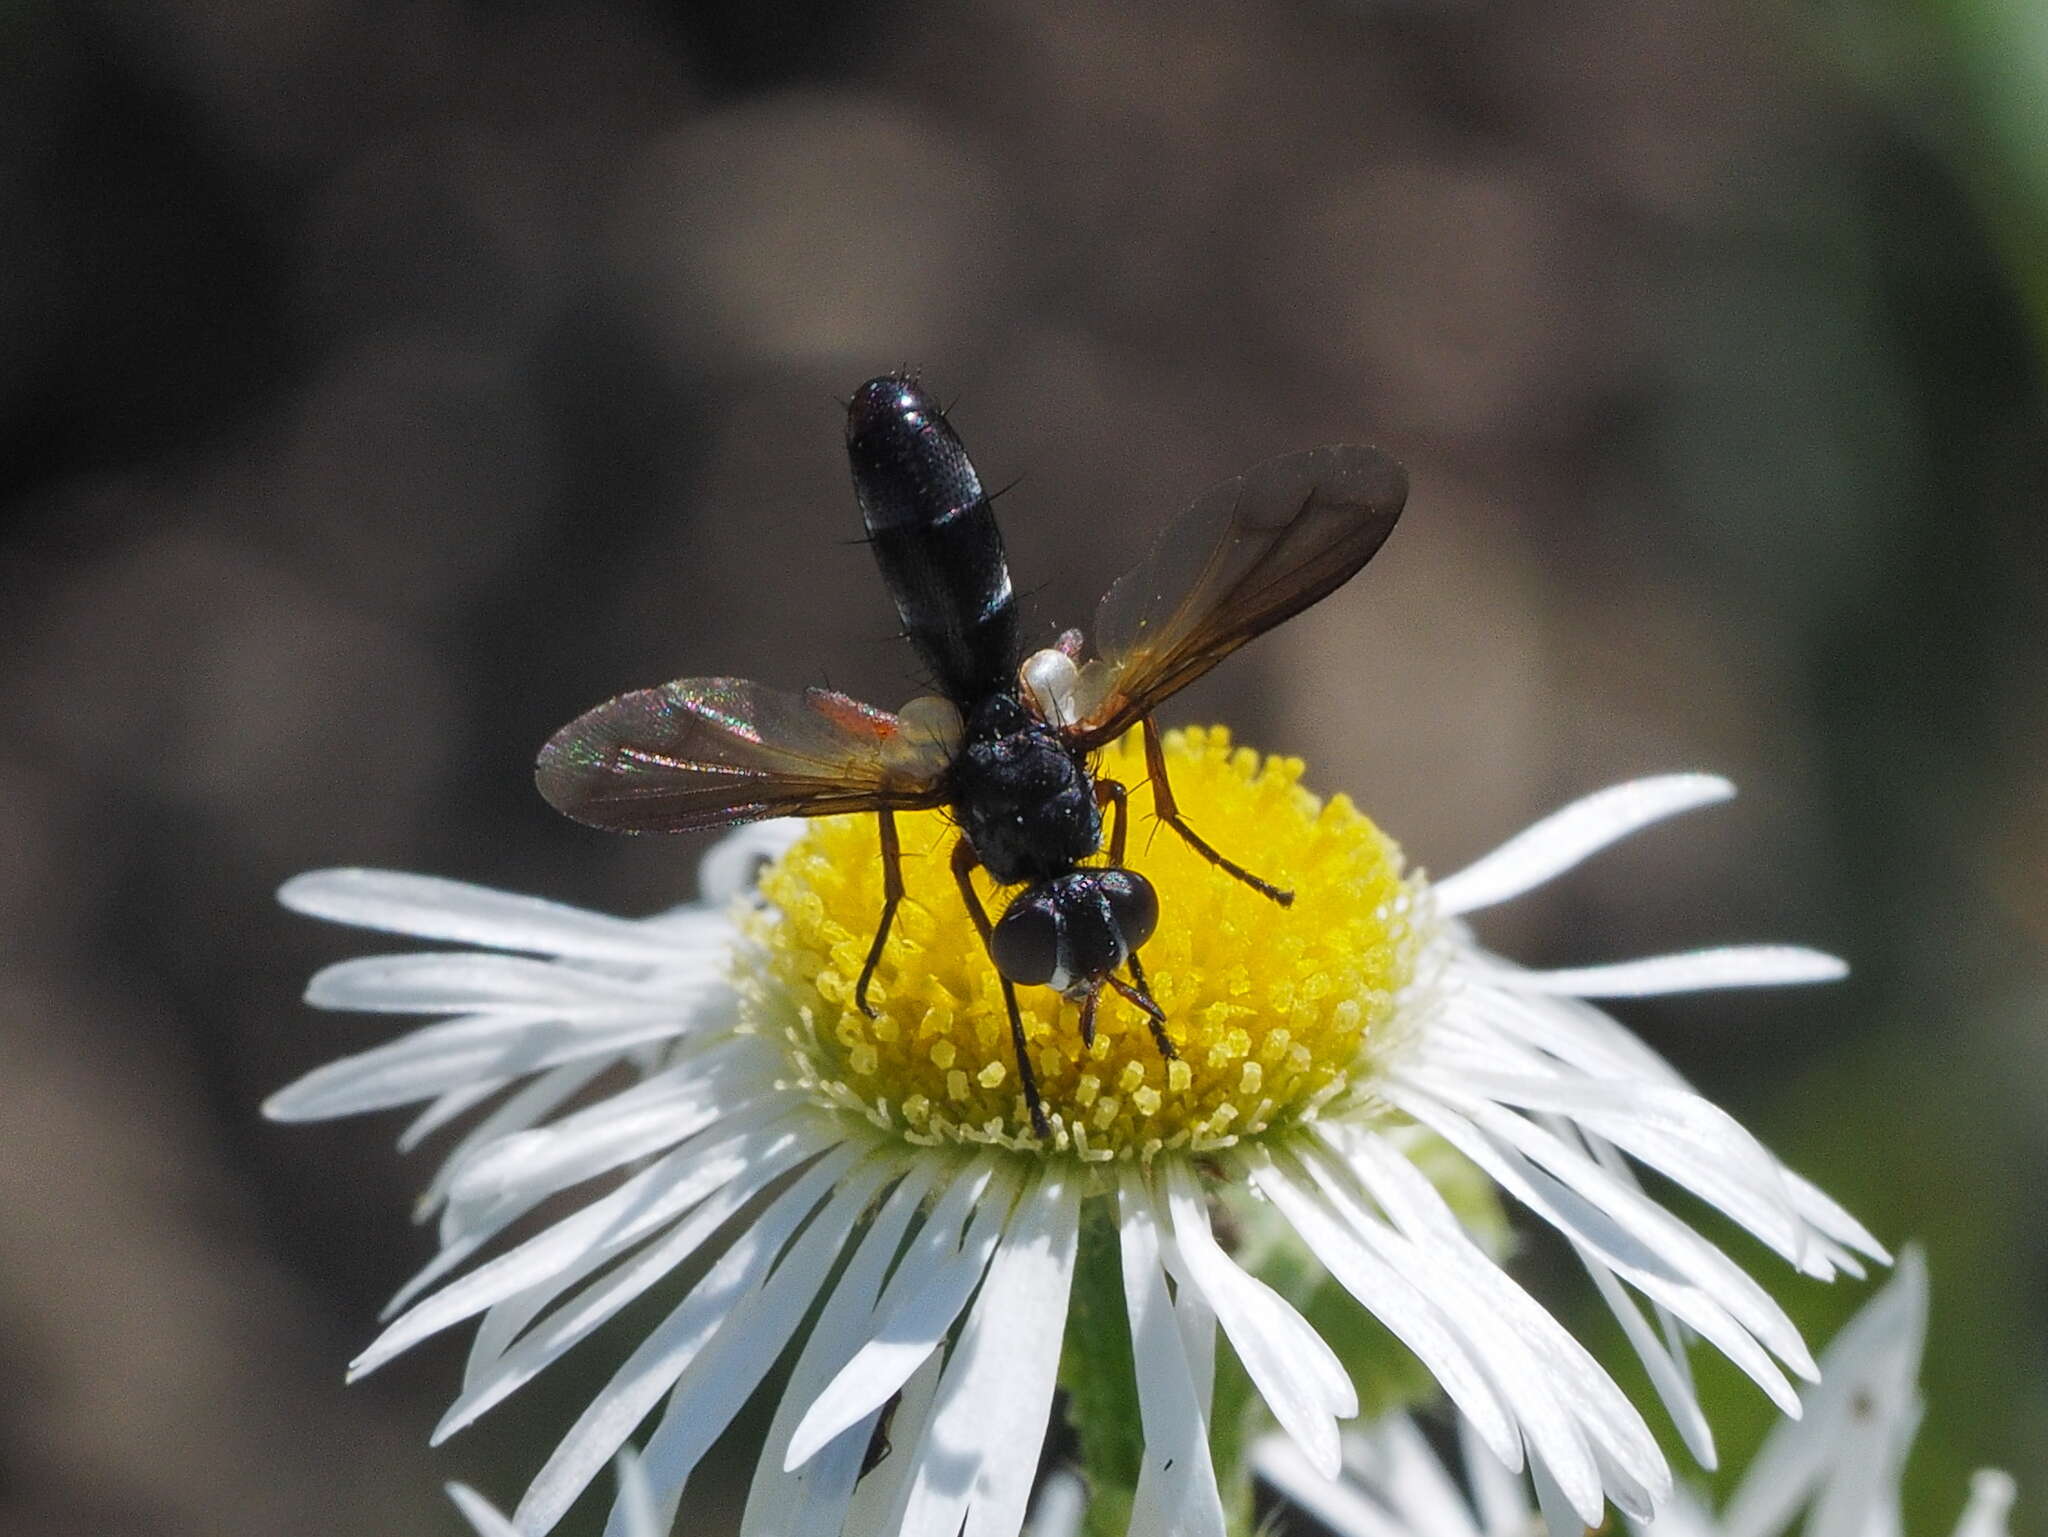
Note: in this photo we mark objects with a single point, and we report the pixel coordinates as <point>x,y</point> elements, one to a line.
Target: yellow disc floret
<point>1273,1010</point>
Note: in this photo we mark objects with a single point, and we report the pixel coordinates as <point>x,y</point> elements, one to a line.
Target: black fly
<point>1009,740</point>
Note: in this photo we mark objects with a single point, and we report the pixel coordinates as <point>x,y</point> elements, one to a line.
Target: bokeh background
<point>384,381</point>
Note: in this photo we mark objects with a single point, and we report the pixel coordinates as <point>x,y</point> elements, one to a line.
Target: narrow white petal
<point>1866,1395</point>
<point>1991,1497</point>
<point>1691,971</point>
<point>981,1452</point>
<point>1296,1373</point>
<point>663,1356</point>
<point>917,1310</point>
<point>1177,1486</point>
<point>752,1336</point>
<point>1634,1473</point>
<point>472,982</point>
<point>1062,1502</point>
<point>1409,1476</point>
<point>1692,1142</point>
<point>536,1099</point>
<point>881,1500</point>
<point>432,1060</point>
<point>480,1513</point>
<point>1500,1498</point>
<point>1665,1365</point>
<point>1395,1301</point>
<point>494,1376</point>
<point>445,1109</point>
<point>779,1500</point>
<point>647,1201</point>
<point>733,866</point>
<point>658,1112</point>
<point>1552,1397</point>
<point>636,1498</point>
<point>1819,1209</point>
<point>1339,1506</point>
<point>1633,1237</point>
<point>428,907</point>
<point>1553,845</point>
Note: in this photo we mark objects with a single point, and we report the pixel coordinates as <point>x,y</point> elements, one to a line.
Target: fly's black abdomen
<point>935,536</point>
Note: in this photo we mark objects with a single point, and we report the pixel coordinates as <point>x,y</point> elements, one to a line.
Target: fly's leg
<point>964,861</point>
<point>1169,813</point>
<point>1111,793</point>
<point>892,894</point>
<point>1140,997</point>
<point>1088,1016</point>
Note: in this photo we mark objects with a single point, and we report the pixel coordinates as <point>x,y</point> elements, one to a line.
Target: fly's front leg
<point>1169,813</point>
<point>1141,998</point>
<point>892,894</point>
<point>964,862</point>
<point>1111,793</point>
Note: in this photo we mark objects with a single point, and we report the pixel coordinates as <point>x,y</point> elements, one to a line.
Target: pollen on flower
<point>1272,1011</point>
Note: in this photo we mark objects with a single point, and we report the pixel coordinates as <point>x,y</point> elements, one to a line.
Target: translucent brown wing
<point>1250,554</point>
<point>705,752</point>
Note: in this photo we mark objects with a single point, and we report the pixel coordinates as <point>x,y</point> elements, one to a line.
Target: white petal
<point>1579,1384</point>
<point>1339,1506</point>
<point>1296,1373</point>
<point>1177,1486</point>
<point>647,1201</point>
<point>1391,1297</point>
<point>428,907</point>
<point>1665,1364</point>
<point>1408,1475</point>
<point>477,982</point>
<point>1063,1501</point>
<point>917,1310</point>
<point>656,1113</point>
<point>1563,838</point>
<point>780,1500</point>
<point>1633,1237</point>
<point>499,1366</point>
<point>480,1513</point>
<point>540,1097</point>
<point>752,1337</point>
<point>1691,971</point>
<point>432,1060</point>
<point>447,1108</point>
<point>1991,1497</point>
<point>1865,1396</point>
<point>1692,1142</point>
<point>663,1356</point>
<point>733,866</point>
<point>881,1499</point>
<point>988,1424</point>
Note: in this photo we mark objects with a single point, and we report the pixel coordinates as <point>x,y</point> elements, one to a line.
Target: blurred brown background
<point>384,381</point>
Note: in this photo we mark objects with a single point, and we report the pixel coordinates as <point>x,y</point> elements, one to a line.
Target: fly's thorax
<point>1024,798</point>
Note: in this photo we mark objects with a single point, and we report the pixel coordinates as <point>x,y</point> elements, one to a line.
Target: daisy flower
<point>701,1085</point>
<point>1841,1464</point>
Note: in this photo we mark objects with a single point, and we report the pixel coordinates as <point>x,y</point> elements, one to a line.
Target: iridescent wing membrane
<point>707,752</point>
<point>1250,554</point>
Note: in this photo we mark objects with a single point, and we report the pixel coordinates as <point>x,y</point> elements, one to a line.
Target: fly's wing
<point>1250,554</point>
<point>705,752</point>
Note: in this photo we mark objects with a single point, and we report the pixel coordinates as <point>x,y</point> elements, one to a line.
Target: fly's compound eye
<point>1026,941</point>
<point>1132,902</point>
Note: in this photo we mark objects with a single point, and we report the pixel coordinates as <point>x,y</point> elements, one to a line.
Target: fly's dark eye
<point>1132,902</point>
<point>1026,941</point>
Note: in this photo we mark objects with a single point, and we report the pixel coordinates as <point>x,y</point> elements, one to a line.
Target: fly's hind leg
<point>892,895</point>
<point>964,861</point>
<point>1169,813</point>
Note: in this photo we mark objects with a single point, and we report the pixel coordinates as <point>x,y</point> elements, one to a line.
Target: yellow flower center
<point>1273,1010</point>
